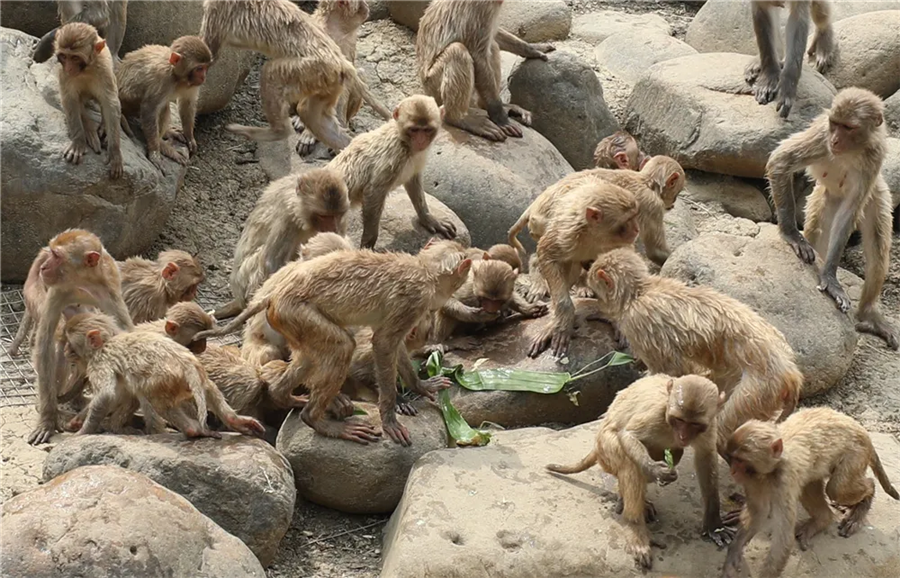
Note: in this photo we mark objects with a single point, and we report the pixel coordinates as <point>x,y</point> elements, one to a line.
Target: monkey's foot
<point>155,159</point>
<point>721,536</point>
<point>650,514</point>
<point>823,49</point>
<point>297,123</point>
<point>405,408</point>
<point>801,247</point>
<point>805,532</point>
<point>74,152</point>
<point>829,284</point>
<point>395,430</point>
<point>766,86</point>
<point>431,386</point>
<point>169,151</point>
<point>116,166</point>
<point>641,554</point>
<point>537,291</point>
<point>533,310</point>
<point>583,292</point>
<point>479,126</point>
<point>881,329</point>
<point>247,426</point>
<point>445,229</point>
<point>751,73</point>
<point>74,424</point>
<point>43,432</point>
<point>297,401</point>
<point>306,143</point>
<point>341,406</point>
<point>854,518</point>
<point>516,111</point>
<point>732,518</point>
<point>92,138</point>
<point>195,432</point>
<point>785,101</point>
<point>360,432</point>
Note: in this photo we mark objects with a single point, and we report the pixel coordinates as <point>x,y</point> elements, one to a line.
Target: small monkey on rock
<point>619,150</point>
<point>150,288</point>
<point>815,453</point>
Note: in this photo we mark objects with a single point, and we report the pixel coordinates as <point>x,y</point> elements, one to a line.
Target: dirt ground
<point>221,187</point>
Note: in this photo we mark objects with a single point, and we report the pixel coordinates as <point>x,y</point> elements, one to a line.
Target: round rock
<point>43,195</point>
<point>536,21</point>
<point>868,52</point>
<point>595,27</point>
<point>629,54</point>
<point>764,273</point>
<point>407,12</point>
<point>241,483</point>
<point>890,169</point>
<point>107,521</point>
<point>737,197</point>
<point>892,113</point>
<point>355,478</point>
<point>698,110</point>
<point>34,18</point>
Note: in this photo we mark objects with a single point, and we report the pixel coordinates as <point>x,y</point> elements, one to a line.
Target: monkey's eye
<point>751,471</point>
<point>61,58</point>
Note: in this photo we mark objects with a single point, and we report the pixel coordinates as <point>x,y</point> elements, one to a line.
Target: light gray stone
<point>407,12</point>
<point>890,169</point>
<point>595,27</point>
<point>34,18</point>
<point>629,54</point>
<point>536,20</point>
<point>892,113</point>
<point>868,52</point>
<point>737,197</point>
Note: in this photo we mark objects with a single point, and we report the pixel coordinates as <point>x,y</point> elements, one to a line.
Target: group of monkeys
<point>324,322</point>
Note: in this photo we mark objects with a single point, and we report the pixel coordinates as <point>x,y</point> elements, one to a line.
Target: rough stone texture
<point>240,483</point>
<point>536,20</point>
<point>869,52</point>
<point>764,273</point>
<point>595,27</point>
<point>494,511</point>
<point>698,110</point>
<point>407,12</point>
<point>506,346</point>
<point>106,521</point>
<point>356,478</point>
<point>378,10</point>
<point>43,195</point>
<point>726,26</point>
<point>629,54</point>
<point>890,169</point>
<point>566,101</point>
<point>490,184</point>
<point>34,18</point>
<point>679,223</point>
<point>892,113</point>
<point>737,197</point>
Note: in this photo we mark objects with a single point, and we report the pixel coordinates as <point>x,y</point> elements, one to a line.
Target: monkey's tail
<point>44,49</point>
<point>195,382</point>
<point>229,310</point>
<point>586,462</point>
<point>513,235</point>
<point>358,84</point>
<point>22,334</point>
<point>792,383</point>
<point>875,464</point>
<point>235,323</point>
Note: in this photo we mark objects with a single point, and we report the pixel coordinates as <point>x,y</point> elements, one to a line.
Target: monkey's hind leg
<point>632,488</point>
<point>849,486</point>
<point>765,80</point>
<point>188,425</point>
<point>97,410</point>
<point>275,92</point>
<point>823,47</point>
<point>813,500</point>
<point>876,234</point>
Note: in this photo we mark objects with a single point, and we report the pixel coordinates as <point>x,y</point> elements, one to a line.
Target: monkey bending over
<point>107,16</point>
<point>619,150</point>
<point>244,385</point>
<point>151,288</point>
<point>322,244</point>
<point>843,150</point>
<point>651,415</point>
<point>815,453</point>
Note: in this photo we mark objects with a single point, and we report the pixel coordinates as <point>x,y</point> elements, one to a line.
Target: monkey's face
<point>54,268</point>
<point>844,136</point>
<point>73,64</point>
<point>420,137</point>
<point>685,432</point>
<point>197,75</point>
<point>741,470</point>
<point>326,223</point>
<point>627,231</point>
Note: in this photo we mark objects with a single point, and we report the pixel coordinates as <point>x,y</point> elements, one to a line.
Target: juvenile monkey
<point>652,415</point>
<point>842,150</point>
<point>507,254</point>
<point>619,150</point>
<point>107,16</point>
<point>766,73</point>
<point>815,453</point>
<point>677,329</point>
<point>288,213</point>
<point>150,288</point>
<point>86,73</point>
<point>394,154</point>
<point>153,76</point>
<point>322,244</point>
<point>458,56</point>
<point>244,385</point>
<point>573,224</point>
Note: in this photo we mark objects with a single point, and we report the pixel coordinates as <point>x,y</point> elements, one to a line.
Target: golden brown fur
<point>324,243</point>
<point>619,150</point>
<point>150,288</point>
<point>107,16</point>
<point>244,385</point>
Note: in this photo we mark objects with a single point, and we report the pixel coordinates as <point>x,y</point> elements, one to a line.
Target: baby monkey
<point>652,415</point>
<point>815,453</point>
<point>619,150</point>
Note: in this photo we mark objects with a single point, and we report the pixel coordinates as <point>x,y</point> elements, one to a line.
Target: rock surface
<point>737,197</point>
<point>34,18</point>
<point>506,346</point>
<point>536,21</point>
<point>501,514</point>
<point>629,54</point>
<point>566,101</point>
<point>407,12</point>
<point>43,195</point>
<point>869,52</point>
<point>351,477</point>
<point>595,27</point>
<point>892,113</point>
<point>890,169</point>
<point>107,521</point>
<point>240,483</point>
<point>764,273</point>
<point>698,110</point>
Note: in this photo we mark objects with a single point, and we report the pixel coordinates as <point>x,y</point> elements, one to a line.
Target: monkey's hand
<point>477,315</point>
<point>785,102</point>
<point>801,247</point>
<point>395,430</point>
<point>540,50</point>
<point>92,138</point>
<point>445,229</point>
<point>247,426</point>
<point>663,474</point>
<point>516,111</point>
<point>533,309</point>
<point>116,167</point>
<point>156,159</point>
<point>75,151</point>
<point>720,536</point>
<point>169,151</point>
<point>829,284</point>
<point>43,432</point>
<point>431,386</point>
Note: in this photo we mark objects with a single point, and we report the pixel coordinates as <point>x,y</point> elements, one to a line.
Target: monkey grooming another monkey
<point>843,150</point>
<point>676,329</point>
<point>619,150</point>
<point>458,56</point>
<point>766,74</point>
<point>288,213</point>
<point>815,453</point>
<point>651,415</point>
<point>150,288</point>
<point>107,16</point>
<point>86,73</point>
<point>153,76</point>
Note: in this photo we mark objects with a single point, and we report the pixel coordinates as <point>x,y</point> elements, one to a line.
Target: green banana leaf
<point>458,428</point>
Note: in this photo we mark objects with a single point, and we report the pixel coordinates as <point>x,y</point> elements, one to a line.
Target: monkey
<point>86,73</point>
<point>107,16</point>
<point>311,304</point>
<point>394,154</point>
<point>507,254</point>
<point>817,452</point>
<point>677,329</point>
<point>458,56</point>
<point>322,244</point>
<point>653,414</point>
<point>304,66</point>
<point>181,323</point>
<point>77,271</point>
<point>244,385</point>
<point>35,294</point>
<point>153,76</point>
<point>288,213</point>
<point>573,224</point>
<point>842,150</point>
<point>619,150</point>
<point>150,288</point>
<point>771,81</point>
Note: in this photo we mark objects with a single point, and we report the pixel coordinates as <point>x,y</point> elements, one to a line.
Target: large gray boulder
<point>43,195</point>
<point>356,478</point>
<point>892,113</point>
<point>240,483</point>
<point>890,169</point>
<point>698,110</point>
<point>105,522</point>
<point>531,21</point>
<point>595,27</point>
<point>407,12</point>
<point>495,511</point>
<point>630,53</point>
<point>566,101</point>
<point>868,52</point>
<point>34,18</point>
<point>764,273</point>
<point>737,197</point>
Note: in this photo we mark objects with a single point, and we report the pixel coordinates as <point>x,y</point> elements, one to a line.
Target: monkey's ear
<point>593,215</point>
<point>644,159</point>
<point>443,112</point>
<point>91,258</point>
<point>174,58</point>
<point>94,338</point>
<point>669,384</point>
<point>601,274</point>
<point>879,118</point>
<point>464,266</point>
<point>98,48</point>
<point>671,180</point>
<point>621,160</point>
<point>396,112</point>
<point>722,398</point>
<point>777,448</point>
<point>169,271</point>
<point>486,256</point>
<point>171,328</point>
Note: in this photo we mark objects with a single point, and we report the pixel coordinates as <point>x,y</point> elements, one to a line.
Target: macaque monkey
<point>815,453</point>
<point>150,288</point>
<point>572,225</point>
<point>35,295</point>
<point>324,243</point>
<point>766,74</point>
<point>77,272</point>
<point>458,57</point>
<point>507,254</point>
<point>311,304</point>
<point>843,150</point>
<point>394,154</point>
<point>677,329</point>
<point>153,76</point>
<point>651,415</point>
<point>244,385</point>
<point>86,73</point>
<point>107,16</point>
<point>161,374</point>
<point>304,66</point>
<point>288,213</point>
<point>619,150</point>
